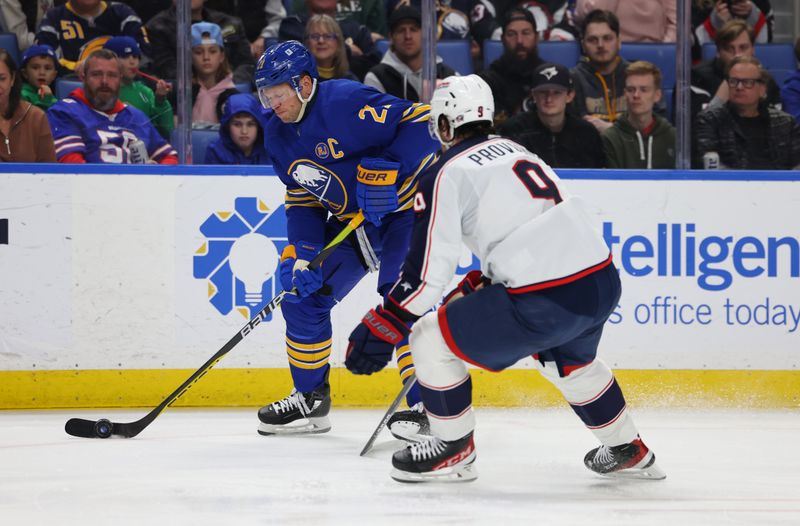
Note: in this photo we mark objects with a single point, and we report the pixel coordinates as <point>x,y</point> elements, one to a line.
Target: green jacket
<point>626,147</point>
<point>31,94</point>
<point>138,95</point>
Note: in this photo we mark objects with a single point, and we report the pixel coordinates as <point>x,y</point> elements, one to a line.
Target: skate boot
<point>298,413</point>
<point>633,460</point>
<point>436,460</point>
<point>410,425</point>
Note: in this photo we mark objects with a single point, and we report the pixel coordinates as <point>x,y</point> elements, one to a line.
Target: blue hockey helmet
<point>285,62</point>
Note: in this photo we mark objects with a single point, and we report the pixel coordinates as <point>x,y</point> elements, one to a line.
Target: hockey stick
<point>103,428</point>
<point>392,408</point>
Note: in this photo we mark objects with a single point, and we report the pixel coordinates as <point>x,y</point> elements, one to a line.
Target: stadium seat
<point>200,141</point>
<point>662,55</point>
<point>666,98</point>
<point>8,41</point>
<point>565,53</point>
<point>244,87</point>
<point>65,86</point>
<point>454,53</point>
<point>780,75</point>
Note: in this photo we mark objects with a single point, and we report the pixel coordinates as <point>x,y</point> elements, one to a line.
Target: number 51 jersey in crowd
<point>511,210</point>
<point>103,137</point>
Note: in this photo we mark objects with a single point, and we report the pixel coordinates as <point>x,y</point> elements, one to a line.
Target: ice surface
<point>209,467</point>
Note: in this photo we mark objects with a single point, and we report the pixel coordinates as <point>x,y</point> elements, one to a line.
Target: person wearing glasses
<point>745,133</point>
<point>325,41</point>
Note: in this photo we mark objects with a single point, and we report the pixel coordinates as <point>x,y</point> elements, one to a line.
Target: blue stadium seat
<point>244,87</point>
<point>780,75</point>
<point>662,55</point>
<point>772,56</point>
<point>200,141</point>
<point>454,53</point>
<point>565,53</point>
<point>666,98</point>
<point>8,41</point>
<point>65,86</point>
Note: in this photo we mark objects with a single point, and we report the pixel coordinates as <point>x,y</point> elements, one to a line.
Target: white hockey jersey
<point>511,210</point>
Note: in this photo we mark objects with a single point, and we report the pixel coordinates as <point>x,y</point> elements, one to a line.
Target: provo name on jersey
<point>494,151</point>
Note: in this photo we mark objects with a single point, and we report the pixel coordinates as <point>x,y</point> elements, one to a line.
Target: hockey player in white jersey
<point>545,289</point>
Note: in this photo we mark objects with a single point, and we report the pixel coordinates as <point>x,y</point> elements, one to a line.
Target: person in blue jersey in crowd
<point>545,289</point>
<point>241,133</point>
<point>92,125</point>
<point>339,146</point>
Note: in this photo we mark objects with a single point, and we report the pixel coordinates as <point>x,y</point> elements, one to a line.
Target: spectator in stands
<point>22,19</point>
<point>80,26</point>
<point>261,19</point>
<point>39,71</point>
<point>400,70</point>
<point>560,138</point>
<point>211,73</point>
<point>758,17</point>
<point>93,126</point>
<point>162,30</point>
<point>790,92</point>
<point>241,133</point>
<point>325,41</point>
<point>361,51</point>
<point>639,20</point>
<point>553,18</point>
<point>510,75</point>
<point>745,133</point>
<point>23,127</point>
<point>600,76</point>
<point>369,13</point>
<point>452,22</point>
<point>641,139</point>
<point>709,88</point>
<point>153,103</point>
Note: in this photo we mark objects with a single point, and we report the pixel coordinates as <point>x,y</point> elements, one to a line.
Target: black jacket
<point>718,131</point>
<point>162,30</point>
<point>577,145</point>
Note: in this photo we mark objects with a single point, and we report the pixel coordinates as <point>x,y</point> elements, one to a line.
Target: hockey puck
<point>103,427</point>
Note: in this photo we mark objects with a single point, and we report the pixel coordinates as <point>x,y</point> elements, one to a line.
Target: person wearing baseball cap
<point>152,101</point>
<point>510,75</point>
<point>550,130</point>
<point>212,77</point>
<point>39,70</point>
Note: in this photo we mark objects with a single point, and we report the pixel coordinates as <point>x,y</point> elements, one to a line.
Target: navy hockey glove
<point>373,341</point>
<point>294,274</point>
<point>471,282</point>
<point>376,194</point>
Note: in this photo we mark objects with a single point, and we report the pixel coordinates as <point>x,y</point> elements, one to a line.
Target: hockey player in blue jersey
<point>339,146</point>
<point>546,288</point>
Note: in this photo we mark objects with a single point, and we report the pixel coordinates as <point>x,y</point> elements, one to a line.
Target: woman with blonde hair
<point>324,40</point>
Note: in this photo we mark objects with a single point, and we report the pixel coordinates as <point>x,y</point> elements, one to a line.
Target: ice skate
<point>410,425</point>
<point>298,413</point>
<point>436,460</point>
<point>633,460</point>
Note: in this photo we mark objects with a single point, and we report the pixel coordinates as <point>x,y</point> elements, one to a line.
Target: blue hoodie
<point>222,150</point>
<point>790,93</point>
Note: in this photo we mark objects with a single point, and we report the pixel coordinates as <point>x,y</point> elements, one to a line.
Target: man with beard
<point>600,76</point>
<point>400,71</point>
<point>91,125</point>
<point>510,75</point>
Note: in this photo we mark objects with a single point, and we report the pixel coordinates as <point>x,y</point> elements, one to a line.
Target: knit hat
<point>41,50</point>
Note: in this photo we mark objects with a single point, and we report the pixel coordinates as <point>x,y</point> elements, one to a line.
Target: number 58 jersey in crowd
<point>511,210</point>
<point>103,137</point>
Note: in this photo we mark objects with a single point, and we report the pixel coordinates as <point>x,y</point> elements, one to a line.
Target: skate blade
<point>408,431</point>
<point>463,473</point>
<point>311,426</point>
<point>649,471</point>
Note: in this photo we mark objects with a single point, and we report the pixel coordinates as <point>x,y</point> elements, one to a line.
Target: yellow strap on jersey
<point>288,252</point>
<point>376,177</point>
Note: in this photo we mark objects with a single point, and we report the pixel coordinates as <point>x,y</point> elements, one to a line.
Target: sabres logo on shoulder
<point>549,73</point>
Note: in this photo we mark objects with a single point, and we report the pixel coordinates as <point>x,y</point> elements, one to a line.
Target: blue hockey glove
<point>373,341</point>
<point>294,274</point>
<point>376,193</point>
<point>471,282</point>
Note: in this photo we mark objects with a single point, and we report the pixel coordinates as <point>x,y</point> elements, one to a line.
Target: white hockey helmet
<point>460,100</point>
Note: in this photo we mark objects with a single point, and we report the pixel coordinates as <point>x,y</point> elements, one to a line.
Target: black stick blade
<point>79,427</point>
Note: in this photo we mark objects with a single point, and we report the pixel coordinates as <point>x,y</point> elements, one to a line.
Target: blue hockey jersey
<point>317,158</point>
<point>103,137</point>
<point>74,37</point>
